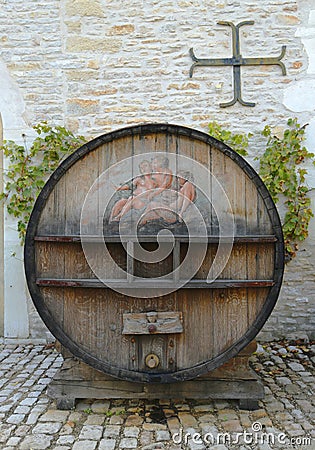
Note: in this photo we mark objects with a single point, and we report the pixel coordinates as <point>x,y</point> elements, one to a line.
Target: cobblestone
<point>30,419</point>
<point>92,432</point>
<point>38,441</point>
<point>296,366</point>
<point>107,444</point>
<point>47,428</point>
<point>131,431</point>
<point>66,440</point>
<point>16,418</point>
<point>128,443</point>
<point>84,445</point>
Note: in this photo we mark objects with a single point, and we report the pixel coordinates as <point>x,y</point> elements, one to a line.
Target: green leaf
<point>281,161</point>
<point>29,169</point>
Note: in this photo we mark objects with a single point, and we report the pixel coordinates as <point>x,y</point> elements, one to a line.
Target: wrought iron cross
<point>237,61</point>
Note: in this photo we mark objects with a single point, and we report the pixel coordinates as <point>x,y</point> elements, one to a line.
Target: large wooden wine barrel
<point>128,318</point>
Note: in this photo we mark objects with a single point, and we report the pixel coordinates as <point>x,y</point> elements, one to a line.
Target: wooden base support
<point>232,381</point>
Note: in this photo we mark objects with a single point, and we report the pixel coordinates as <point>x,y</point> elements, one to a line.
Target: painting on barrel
<point>157,198</point>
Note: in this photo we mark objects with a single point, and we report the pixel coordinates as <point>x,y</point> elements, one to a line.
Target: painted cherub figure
<point>143,186</point>
<point>172,212</point>
<point>187,192</point>
<point>161,174</point>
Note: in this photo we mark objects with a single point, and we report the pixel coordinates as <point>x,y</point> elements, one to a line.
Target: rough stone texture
<point>84,8</point>
<point>38,441</point>
<point>97,66</point>
<point>166,425</point>
<point>294,314</point>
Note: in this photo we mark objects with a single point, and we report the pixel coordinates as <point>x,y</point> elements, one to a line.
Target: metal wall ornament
<point>236,61</point>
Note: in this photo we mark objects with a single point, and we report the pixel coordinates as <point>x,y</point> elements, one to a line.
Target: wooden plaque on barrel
<point>154,254</point>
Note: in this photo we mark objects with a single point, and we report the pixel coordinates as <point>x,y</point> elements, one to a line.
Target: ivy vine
<point>29,169</point>
<point>283,172</point>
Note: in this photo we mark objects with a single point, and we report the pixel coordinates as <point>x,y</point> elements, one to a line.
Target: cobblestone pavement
<point>30,420</point>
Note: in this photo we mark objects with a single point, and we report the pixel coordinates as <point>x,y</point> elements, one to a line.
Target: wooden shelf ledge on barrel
<point>193,338</point>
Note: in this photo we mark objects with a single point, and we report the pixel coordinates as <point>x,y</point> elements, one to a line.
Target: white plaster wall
<point>16,322</point>
<point>296,305</point>
<point>299,97</point>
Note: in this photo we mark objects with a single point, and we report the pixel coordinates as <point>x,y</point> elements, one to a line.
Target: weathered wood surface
<point>218,319</point>
<point>152,322</point>
<point>145,238</point>
<point>233,380</point>
<point>193,284</point>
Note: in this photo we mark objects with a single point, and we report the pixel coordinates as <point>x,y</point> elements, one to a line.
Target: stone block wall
<point>97,65</point>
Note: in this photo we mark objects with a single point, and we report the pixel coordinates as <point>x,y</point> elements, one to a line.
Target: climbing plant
<point>237,141</point>
<point>29,169</point>
<point>283,172</point>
